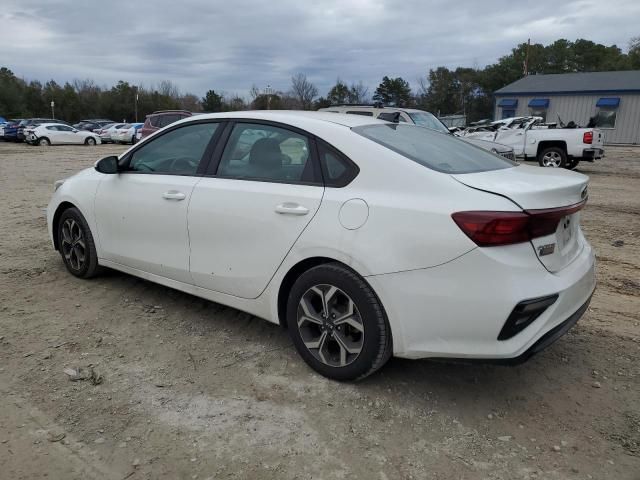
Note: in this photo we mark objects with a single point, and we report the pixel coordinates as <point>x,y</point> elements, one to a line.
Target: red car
<point>162,118</point>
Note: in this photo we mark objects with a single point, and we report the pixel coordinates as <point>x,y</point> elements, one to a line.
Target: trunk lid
<point>536,189</point>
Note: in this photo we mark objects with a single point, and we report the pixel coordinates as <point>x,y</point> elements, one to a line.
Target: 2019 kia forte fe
<point>364,238</point>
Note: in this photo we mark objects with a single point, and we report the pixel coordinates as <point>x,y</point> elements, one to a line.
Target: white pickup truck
<point>551,146</point>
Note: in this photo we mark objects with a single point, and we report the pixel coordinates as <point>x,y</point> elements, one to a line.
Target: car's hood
<point>531,187</point>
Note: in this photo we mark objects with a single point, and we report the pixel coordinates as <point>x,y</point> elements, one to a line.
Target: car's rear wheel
<point>553,157</point>
<point>76,244</point>
<point>90,141</point>
<point>337,323</point>
<point>44,142</point>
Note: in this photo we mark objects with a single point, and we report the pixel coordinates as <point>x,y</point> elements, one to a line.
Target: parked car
<point>10,130</point>
<point>416,117</point>
<point>92,124</point>
<point>106,131</point>
<point>32,122</point>
<point>2,124</point>
<point>549,144</point>
<point>47,134</point>
<point>157,120</point>
<point>126,133</point>
<point>364,238</point>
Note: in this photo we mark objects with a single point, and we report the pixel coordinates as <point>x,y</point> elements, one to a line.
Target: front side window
<point>606,118</point>
<point>265,152</point>
<point>64,128</point>
<point>177,152</point>
<point>437,151</point>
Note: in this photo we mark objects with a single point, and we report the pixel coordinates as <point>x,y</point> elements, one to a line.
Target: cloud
<point>228,46</point>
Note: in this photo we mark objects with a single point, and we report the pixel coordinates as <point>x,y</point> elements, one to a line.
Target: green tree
<point>393,91</point>
<point>212,102</point>
<point>339,93</point>
<point>11,94</point>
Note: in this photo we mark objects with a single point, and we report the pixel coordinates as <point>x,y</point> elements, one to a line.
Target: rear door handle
<point>174,195</point>
<point>288,208</point>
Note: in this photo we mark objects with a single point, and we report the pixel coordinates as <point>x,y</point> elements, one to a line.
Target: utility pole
<point>268,91</point>
<point>136,104</point>
<point>526,59</point>
<point>53,113</point>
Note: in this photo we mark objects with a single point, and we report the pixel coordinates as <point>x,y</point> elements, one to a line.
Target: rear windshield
<point>426,119</point>
<point>438,151</point>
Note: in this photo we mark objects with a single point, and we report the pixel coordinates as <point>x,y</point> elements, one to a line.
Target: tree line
<point>442,91</point>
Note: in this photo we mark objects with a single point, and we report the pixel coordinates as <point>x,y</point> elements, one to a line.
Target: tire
<point>355,347</point>
<point>571,164</point>
<point>133,140</point>
<point>76,244</point>
<point>552,157</point>
<point>90,142</point>
<point>44,142</point>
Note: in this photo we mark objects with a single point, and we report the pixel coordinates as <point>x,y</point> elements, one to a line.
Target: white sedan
<point>59,134</point>
<point>106,131</point>
<point>364,238</point>
<point>126,133</point>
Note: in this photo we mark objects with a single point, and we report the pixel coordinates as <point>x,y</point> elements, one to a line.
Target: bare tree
<point>303,91</point>
<point>358,93</point>
<point>190,102</point>
<point>254,92</point>
<point>168,88</point>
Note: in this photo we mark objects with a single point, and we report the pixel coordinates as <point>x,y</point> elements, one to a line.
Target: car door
<point>513,137</point>
<point>258,196</point>
<point>141,212</point>
<point>67,135</point>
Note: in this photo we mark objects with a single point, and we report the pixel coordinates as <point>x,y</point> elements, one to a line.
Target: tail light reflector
<point>587,137</point>
<point>491,229</point>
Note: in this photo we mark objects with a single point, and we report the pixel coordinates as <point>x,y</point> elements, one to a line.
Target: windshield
<point>443,153</point>
<point>426,119</point>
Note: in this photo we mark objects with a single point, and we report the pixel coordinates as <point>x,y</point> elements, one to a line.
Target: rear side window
<point>154,121</point>
<point>438,151</point>
<point>266,152</point>
<point>337,169</point>
<point>361,112</point>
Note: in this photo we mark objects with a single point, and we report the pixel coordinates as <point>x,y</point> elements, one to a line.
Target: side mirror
<point>75,130</point>
<point>108,165</point>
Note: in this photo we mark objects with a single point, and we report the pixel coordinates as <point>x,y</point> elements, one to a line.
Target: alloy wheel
<point>330,325</point>
<point>552,159</point>
<point>73,244</point>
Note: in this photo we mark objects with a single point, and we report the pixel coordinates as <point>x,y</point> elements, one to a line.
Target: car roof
<point>48,124</point>
<point>302,119</point>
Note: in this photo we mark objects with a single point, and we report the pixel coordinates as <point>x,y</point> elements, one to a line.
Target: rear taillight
<point>491,229</point>
<point>587,137</point>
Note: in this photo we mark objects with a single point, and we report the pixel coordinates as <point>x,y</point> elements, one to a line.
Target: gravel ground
<point>192,389</point>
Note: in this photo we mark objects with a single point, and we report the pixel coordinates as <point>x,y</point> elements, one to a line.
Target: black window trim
<point>351,165</point>
<point>212,171</point>
<point>205,160</point>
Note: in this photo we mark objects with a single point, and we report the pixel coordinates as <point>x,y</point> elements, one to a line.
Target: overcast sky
<point>230,45</point>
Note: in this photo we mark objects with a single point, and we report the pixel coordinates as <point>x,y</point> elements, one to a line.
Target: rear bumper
<point>458,309</point>
<point>591,154</point>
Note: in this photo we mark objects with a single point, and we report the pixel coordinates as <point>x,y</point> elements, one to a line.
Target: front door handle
<point>174,195</point>
<point>289,208</point>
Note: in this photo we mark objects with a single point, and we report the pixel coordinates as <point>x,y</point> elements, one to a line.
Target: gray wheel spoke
<point>309,314</point>
<point>66,235</point>
<point>346,344</point>
<point>351,321</point>
<point>317,343</point>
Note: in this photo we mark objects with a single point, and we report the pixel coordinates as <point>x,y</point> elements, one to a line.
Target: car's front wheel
<point>76,244</point>
<point>90,141</point>
<point>337,323</point>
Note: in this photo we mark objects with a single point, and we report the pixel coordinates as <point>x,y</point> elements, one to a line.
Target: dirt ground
<point>191,389</point>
